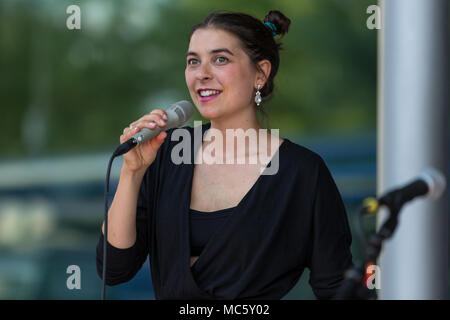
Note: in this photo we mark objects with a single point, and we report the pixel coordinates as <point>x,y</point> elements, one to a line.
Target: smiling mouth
<point>208,94</point>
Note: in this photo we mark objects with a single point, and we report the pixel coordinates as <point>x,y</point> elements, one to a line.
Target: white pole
<point>413,84</point>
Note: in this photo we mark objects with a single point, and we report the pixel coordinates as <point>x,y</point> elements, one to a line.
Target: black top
<point>287,221</point>
<point>203,225</point>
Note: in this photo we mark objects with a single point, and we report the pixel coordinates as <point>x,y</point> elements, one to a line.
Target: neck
<point>239,125</point>
<point>246,119</point>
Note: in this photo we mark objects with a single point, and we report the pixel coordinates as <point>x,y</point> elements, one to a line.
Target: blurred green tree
<point>75,90</point>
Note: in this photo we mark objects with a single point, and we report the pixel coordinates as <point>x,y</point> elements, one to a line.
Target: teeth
<point>207,93</point>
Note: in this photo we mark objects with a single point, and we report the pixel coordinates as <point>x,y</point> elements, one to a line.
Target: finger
<point>138,127</point>
<point>148,118</point>
<point>122,138</point>
<point>154,115</point>
<point>161,112</point>
<point>162,135</point>
<point>128,132</point>
<point>158,140</point>
<point>151,124</point>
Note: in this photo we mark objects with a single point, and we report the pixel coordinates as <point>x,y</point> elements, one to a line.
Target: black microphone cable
<point>178,114</point>
<point>105,233</point>
<point>121,149</point>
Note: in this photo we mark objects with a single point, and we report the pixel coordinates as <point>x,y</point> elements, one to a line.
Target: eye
<point>192,61</point>
<point>221,60</point>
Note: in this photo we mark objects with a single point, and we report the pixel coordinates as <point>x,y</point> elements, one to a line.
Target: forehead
<point>206,40</point>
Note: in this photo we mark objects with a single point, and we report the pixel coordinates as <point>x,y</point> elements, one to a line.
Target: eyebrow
<point>191,53</point>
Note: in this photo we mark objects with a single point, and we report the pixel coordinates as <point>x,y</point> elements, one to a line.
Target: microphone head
<point>436,182</point>
<point>184,111</point>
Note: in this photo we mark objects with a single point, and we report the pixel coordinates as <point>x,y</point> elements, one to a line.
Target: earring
<point>258,98</point>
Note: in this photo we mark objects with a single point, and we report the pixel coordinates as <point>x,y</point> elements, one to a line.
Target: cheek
<point>237,78</point>
<point>242,86</point>
<point>189,79</point>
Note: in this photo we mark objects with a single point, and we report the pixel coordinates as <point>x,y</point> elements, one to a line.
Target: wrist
<point>135,175</point>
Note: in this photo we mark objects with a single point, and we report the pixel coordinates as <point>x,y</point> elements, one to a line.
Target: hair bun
<point>280,21</point>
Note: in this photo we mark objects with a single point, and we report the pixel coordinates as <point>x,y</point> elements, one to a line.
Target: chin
<point>209,115</point>
<point>209,112</point>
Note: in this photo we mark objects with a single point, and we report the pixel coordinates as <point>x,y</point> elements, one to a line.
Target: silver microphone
<point>177,115</point>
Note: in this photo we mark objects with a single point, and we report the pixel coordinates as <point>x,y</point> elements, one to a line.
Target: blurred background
<point>66,95</point>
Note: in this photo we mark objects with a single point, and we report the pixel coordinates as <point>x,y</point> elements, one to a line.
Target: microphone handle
<point>400,196</point>
<point>146,134</point>
<point>142,136</point>
<point>173,121</point>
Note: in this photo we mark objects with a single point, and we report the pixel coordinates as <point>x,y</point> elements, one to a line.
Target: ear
<point>262,77</point>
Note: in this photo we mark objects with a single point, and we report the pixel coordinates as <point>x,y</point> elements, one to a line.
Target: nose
<point>204,72</point>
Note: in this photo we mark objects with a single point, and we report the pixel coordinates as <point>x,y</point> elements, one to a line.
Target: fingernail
<point>152,124</point>
<point>162,122</point>
<point>164,117</point>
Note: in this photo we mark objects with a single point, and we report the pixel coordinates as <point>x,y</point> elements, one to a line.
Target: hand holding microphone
<point>146,135</point>
<point>140,157</point>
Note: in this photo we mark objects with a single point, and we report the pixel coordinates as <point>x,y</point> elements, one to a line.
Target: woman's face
<point>219,74</point>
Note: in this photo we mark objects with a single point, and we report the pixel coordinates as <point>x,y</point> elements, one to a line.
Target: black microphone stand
<point>353,287</point>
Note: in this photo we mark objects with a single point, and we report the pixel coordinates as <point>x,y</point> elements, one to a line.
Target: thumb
<point>159,139</point>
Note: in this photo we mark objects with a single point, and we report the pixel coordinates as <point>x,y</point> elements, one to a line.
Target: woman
<point>227,231</point>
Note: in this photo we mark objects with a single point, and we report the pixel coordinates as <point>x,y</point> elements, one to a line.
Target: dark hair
<point>256,37</point>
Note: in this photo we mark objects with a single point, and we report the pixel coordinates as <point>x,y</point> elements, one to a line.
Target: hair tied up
<point>272,27</point>
<point>280,22</point>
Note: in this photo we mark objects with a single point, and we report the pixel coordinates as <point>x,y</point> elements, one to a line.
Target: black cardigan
<point>286,222</point>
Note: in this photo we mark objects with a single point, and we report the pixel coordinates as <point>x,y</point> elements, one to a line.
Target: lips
<point>207,94</point>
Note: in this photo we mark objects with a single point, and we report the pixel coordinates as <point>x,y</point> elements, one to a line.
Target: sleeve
<point>330,254</point>
<point>123,264</point>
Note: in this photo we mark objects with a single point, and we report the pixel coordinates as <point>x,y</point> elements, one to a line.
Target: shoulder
<point>301,157</point>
